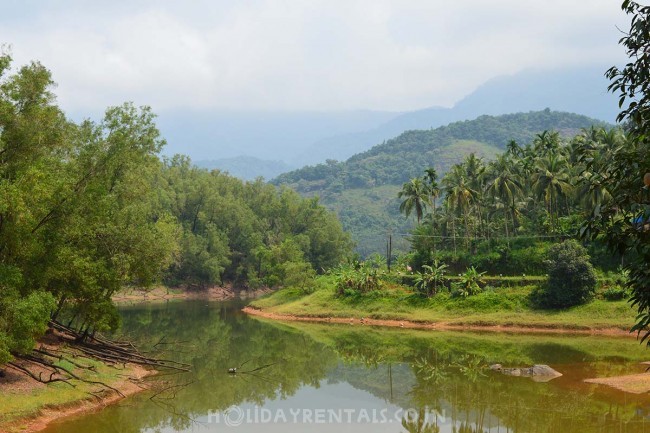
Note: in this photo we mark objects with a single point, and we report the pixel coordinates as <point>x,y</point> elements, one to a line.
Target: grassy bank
<point>505,306</point>
<point>27,405</point>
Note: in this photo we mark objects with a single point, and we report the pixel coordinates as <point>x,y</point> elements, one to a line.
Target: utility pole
<point>390,250</point>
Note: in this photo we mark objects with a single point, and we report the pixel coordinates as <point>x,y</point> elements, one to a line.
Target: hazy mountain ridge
<point>574,90</point>
<point>301,138</point>
<point>363,189</point>
<point>246,167</point>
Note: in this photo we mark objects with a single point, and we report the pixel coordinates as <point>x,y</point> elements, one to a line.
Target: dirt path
<point>437,325</point>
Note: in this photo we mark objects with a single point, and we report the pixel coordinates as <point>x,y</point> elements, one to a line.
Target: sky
<point>319,55</point>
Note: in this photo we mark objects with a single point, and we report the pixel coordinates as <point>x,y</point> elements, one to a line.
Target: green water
<point>351,378</point>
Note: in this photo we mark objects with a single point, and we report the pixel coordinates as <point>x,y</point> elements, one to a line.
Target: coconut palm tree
<point>551,181</point>
<point>416,196</point>
<point>505,185</point>
<point>431,179</point>
<point>459,196</point>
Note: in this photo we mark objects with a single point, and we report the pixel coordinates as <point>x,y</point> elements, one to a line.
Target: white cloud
<point>296,54</point>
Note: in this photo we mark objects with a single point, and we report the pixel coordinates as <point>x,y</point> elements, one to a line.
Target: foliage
<point>363,190</point>
<point>22,321</point>
<point>469,284</point>
<point>357,278</point>
<point>615,294</point>
<point>77,215</point>
<point>571,277</point>
<point>623,219</point>
<point>88,208</point>
<point>427,282</point>
<point>502,215</point>
<point>415,197</point>
<point>244,232</point>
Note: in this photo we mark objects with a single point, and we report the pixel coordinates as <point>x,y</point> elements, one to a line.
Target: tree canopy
<point>622,215</point>
<point>88,208</point>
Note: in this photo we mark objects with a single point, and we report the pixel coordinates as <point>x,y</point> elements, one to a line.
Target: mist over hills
<point>280,139</point>
<point>247,167</point>
<point>579,90</point>
<point>218,134</point>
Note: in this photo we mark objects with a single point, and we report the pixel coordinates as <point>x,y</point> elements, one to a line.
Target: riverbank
<point>30,406</point>
<point>161,294</point>
<point>442,326</point>
<point>503,309</point>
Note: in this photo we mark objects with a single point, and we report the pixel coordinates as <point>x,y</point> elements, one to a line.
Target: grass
<point>19,405</point>
<point>507,306</point>
<point>513,349</point>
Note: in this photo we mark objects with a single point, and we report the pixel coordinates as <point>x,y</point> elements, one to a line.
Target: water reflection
<point>297,377</point>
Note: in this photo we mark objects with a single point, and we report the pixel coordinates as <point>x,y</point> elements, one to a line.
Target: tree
<point>415,195</point>
<point>506,186</point>
<point>571,277</point>
<point>76,217</point>
<point>459,195</point>
<point>623,222</point>
<point>428,280</point>
<point>431,179</point>
<point>551,182</point>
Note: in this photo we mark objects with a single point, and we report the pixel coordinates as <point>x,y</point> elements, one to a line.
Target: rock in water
<point>538,372</point>
<point>544,373</point>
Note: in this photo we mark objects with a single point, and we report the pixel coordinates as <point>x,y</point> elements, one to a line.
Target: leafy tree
<point>571,277</point>
<point>86,209</point>
<point>623,220</point>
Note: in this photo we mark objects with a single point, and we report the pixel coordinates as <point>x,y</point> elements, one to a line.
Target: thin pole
<point>390,250</point>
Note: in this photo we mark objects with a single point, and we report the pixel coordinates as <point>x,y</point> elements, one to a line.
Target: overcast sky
<point>300,54</point>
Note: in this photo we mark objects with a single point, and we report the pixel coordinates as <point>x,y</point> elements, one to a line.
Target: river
<point>352,378</point>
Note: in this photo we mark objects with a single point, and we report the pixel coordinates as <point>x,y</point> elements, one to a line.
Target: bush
<point>571,277</point>
<point>469,284</point>
<point>356,278</point>
<point>430,279</point>
<point>615,294</point>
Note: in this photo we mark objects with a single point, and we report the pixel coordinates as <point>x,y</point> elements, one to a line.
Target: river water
<point>351,378</point>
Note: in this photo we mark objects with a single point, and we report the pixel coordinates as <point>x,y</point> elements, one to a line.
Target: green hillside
<point>363,189</point>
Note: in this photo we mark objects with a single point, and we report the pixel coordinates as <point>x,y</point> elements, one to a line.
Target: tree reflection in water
<point>433,372</point>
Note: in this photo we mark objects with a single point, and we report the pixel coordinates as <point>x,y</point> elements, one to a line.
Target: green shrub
<point>430,279</point>
<point>356,278</point>
<point>469,284</point>
<point>571,277</point>
<point>22,321</point>
<point>615,294</point>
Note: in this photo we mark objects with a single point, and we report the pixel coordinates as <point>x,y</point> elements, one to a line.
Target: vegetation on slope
<point>86,209</point>
<point>406,156</point>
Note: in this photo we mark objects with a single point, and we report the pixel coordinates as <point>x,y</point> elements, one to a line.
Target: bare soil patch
<point>632,383</point>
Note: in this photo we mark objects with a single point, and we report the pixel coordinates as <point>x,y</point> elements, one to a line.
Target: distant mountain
<point>577,90</point>
<point>247,167</point>
<point>301,138</point>
<point>363,189</point>
<point>216,134</point>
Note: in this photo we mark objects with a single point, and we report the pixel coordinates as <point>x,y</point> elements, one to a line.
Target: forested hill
<point>401,158</point>
<point>363,189</point>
